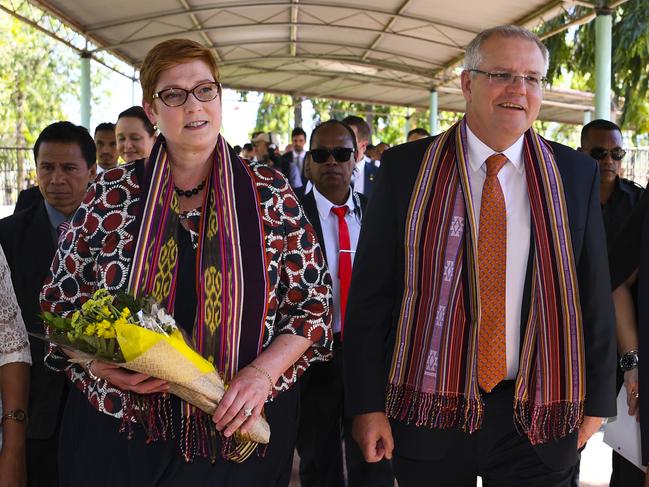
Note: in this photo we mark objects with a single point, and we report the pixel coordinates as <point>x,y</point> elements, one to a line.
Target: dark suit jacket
<point>311,211</point>
<point>27,240</point>
<point>28,197</point>
<point>371,172</point>
<point>287,160</point>
<point>377,290</point>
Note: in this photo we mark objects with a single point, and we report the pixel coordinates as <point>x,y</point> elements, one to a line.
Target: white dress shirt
<point>514,185</point>
<point>329,224</point>
<point>296,169</point>
<point>359,175</point>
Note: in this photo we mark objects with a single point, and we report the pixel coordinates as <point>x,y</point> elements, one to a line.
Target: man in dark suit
<point>65,165</point>
<point>335,211</point>
<point>459,354</point>
<point>28,197</point>
<point>366,170</point>
<point>293,160</point>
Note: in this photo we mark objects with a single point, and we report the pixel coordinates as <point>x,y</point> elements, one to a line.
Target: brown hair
<point>171,53</point>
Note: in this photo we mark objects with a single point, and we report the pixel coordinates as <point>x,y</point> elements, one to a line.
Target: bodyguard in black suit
<point>65,165</point>
<point>366,171</point>
<point>428,438</point>
<point>293,161</point>
<point>322,421</point>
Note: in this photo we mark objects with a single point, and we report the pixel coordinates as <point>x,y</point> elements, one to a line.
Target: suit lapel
<point>38,245</point>
<point>311,210</point>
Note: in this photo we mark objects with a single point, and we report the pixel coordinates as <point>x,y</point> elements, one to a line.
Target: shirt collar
<point>55,216</point>
<point>479,151</point>
<point>325,206</point>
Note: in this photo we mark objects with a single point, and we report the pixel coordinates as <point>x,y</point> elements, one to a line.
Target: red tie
<point>344,261</point>
<point>492,259</point>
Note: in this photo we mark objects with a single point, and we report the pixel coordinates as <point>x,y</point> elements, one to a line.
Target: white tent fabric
<point>379,52</point>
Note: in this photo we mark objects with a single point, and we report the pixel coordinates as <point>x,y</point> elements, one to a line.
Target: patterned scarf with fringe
<point>226,332</point>
<point>433,376</point>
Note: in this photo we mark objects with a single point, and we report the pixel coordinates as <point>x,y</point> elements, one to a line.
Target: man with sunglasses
<point>335,211</point>
<point>602,140</point>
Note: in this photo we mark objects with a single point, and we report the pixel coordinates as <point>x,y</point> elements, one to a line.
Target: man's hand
<point>373,434</point>
<point>588,428</point>
<point>632,392</point>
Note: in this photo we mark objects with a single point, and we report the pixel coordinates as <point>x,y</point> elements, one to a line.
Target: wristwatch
<point>629,360</point>
<point>17,415</point>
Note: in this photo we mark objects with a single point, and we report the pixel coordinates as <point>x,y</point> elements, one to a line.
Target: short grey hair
<point>473,54</point>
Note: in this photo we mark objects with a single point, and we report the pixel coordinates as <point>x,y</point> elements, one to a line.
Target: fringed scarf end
<point>547,422</point>
<point>439,411</point>
<point>152,412</point>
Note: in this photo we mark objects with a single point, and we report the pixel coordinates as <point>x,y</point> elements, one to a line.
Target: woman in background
<point>135,134</point>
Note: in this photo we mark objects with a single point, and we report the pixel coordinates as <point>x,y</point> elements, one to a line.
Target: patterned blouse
<point>98,250</point>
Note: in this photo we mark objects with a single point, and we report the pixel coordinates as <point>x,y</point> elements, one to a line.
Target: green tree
<point>275,114</point>
<point>39,76</point>
<point>574,51</point>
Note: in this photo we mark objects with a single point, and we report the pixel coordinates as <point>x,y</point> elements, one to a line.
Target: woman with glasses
<point>135,134</point>
<point>224,245</point>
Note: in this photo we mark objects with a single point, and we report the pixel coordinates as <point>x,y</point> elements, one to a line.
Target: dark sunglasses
<point>340,154</point>
<point>599,153</point>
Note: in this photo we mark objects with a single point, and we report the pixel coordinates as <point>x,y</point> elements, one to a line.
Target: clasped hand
<point>242,403</point>
<point>122,378</point>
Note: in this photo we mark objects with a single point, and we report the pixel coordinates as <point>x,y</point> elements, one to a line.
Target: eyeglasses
<point>174,97</point>
<point>599,153</point>
<point>504,78</point>
<point>340,154</point>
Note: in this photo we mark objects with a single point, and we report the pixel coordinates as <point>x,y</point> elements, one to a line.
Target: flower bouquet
<point>140,335</point>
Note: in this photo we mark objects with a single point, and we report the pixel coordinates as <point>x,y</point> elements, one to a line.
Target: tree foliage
<point>574,51</point>
<point>275,114</point>
<point>37,75</point>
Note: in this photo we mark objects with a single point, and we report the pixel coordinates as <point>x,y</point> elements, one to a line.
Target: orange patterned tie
<point>492,256</point>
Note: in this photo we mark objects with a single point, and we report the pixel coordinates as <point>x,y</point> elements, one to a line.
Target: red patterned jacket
<point>98,249</point>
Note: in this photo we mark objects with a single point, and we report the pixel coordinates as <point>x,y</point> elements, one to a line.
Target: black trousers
<point>625,474</point>
<point>496,452</point>
<point>323,428</point>
<point>93,452</point>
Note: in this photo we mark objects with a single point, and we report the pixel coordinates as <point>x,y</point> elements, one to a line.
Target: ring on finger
<point>247,412</point>
<point>635,394</point>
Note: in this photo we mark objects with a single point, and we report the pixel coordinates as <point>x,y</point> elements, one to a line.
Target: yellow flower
<point>126,313</point>
<point>75,317</point>
<point>90,330</point>
<point>109,333</point>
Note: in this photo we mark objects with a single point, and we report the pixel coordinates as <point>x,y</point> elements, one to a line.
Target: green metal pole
<point>433,112</point>
<point>603,49</point>
<point>85,89</point>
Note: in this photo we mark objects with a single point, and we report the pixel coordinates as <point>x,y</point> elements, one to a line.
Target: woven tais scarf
<point>433,375</point>
<point>231,278</point>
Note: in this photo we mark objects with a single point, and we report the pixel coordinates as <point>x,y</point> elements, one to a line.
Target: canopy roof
<point>382,52</point>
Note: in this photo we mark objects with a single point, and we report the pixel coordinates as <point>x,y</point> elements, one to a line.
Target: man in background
<point>602,140</point>
<point>65,165</point>
<point>295,157</point>
<point>106,146</point>
<point>365,173</point>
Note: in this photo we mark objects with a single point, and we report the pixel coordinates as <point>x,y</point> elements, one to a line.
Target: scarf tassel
<point>405,403</point>
<point>544,422</point>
